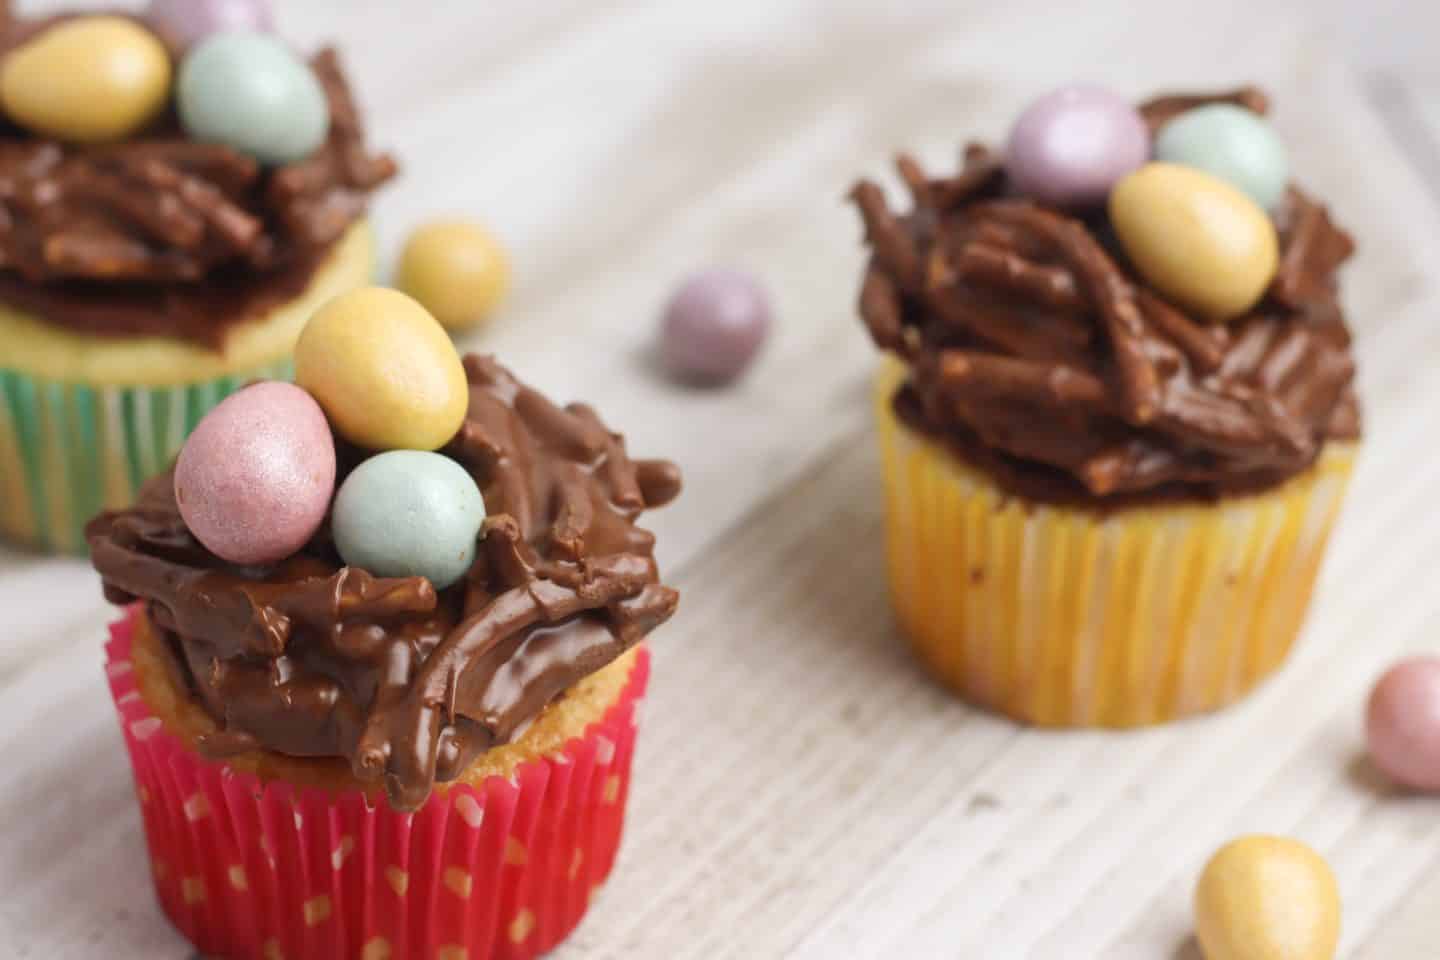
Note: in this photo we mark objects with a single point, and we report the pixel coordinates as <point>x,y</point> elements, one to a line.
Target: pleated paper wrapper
<point>265,871</point>
<point>1064,616</point>
<point>70,450</point>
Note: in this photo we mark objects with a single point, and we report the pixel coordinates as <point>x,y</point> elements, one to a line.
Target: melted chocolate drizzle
<point>314,659</point>
<point>1037,353</point>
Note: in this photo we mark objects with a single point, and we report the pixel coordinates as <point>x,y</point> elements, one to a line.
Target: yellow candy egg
<point>456,269</point>
<point>383,370</point>
<point>1198,240</point>
<point>86,80</point>
<point>1267,898</point>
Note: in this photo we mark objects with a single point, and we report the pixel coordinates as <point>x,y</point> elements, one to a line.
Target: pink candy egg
<point>1072,145</point>
<point>1402,723</point>
<point>254,480</point>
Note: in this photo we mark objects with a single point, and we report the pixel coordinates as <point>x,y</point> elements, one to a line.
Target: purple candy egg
<point>713,326</point>
<point>1072,145</point>
<point>1402,723</point>
<point>254,480</point>
<point>190,21</point>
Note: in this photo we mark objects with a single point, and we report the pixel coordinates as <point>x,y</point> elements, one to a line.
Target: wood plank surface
<point>802,789</point>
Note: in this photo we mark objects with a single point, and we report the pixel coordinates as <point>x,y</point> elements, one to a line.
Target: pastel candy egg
<point>190,21</point>
<point>1195,238</point>
<point>1402,723</point>
<point>384,370</point>
<point>248,91</point>
<point>254,479</point>
<point>1069,147</point>
<point>409,514</point>
<point>1234,144</point>
<point>1267,898</point>
<point>713,326</point>
<point>456,269</point>
<point>87,80</point>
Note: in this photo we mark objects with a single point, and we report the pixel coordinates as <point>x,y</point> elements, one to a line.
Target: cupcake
<point>175,200</point>
<point>1117,415</point>
<point>397,721</point>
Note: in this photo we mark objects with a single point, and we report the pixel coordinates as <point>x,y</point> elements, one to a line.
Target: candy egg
<point>384,370</point>
<point>86,80</point>
<point>248,91</point>
<point>409,514</point>
<point>1070,147</point>
<point>1402,723</point>
<point>254,479</point>
<point>1234,144</point>
<point>713,326</point>
<point>1198,240</point>
<point>456,269</point>
<point>1267,898</point>
<point>189,21</point>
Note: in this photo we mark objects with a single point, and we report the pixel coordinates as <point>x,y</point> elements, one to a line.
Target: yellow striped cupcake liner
<point>1066,617</point>
<point>70,450</point>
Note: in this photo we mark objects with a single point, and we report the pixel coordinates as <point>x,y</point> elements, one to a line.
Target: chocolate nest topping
<point>163,235</point>
<point>1036,353</point>
<point>313,659</point>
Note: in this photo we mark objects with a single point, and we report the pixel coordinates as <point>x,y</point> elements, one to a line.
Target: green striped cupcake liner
<point>70,450</point>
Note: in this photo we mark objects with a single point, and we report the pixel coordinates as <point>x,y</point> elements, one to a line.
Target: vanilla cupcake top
<point>170,176</point>
<point>400,561</point>
<point>1128,303</point>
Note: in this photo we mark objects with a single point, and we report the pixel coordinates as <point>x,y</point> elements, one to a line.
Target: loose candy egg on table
<point>456,269</point>
<point>1402,723</point>
<point>254,479</point>
<point>1267,898</point>
<point>1069,147</point>
<point>1198,240</point>
<point>86,80</point>
<point>408,513</point>
<point>1234,144</point>
<point>714,325</point>
<point>247,90</point>
<point>190,21</point>
<point>384,371</point>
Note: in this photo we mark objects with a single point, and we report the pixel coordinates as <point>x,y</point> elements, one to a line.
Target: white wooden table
<point>802,789</point>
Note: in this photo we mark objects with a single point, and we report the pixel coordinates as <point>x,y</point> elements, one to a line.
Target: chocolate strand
<point>1022,380</point>
<point>880,308</point>
<point>1313,249</point>
<point>891,243</point>
<point>1007,270</point>
<point>915,180</point>
<point>982,175</point>
<point>164,217</point>
<point>1202,346</point>
<point>659,481</point>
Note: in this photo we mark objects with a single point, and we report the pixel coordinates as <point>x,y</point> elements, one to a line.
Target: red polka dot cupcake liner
<point>247,869</point>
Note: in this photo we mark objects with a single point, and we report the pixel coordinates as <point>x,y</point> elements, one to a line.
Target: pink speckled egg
<point>1402,723</point>
<point>254,480</point>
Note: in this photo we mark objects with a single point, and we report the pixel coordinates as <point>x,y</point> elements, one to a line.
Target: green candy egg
<point>248,91</point>
<point>1231,143</point>
<point>409,513</point>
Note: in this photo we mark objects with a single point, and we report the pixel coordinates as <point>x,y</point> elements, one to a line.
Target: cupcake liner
<point>266,871</point>
<point>1062,616</point>
<point>70,450</point>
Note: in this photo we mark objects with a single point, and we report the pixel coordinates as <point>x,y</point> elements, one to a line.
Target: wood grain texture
<point>802,790</point>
